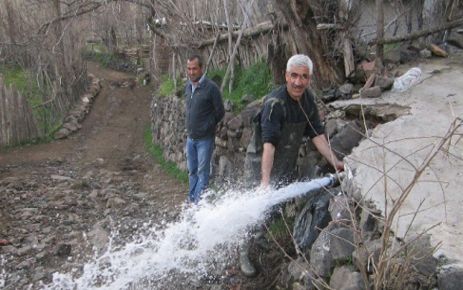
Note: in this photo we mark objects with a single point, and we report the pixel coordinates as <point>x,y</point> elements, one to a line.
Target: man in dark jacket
<point>289,113</point>
<point>204,109</point>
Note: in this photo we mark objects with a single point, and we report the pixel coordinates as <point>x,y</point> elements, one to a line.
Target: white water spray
<point>199,241</point>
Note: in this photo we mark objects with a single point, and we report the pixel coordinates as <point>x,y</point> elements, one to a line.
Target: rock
<point>24,250</point>
<point>456,40</point>
<point>4,242</point>
<point>299,270</point>
<point>450,278</point>
<point>385,83</point>
<point>235,123</point>
<point>373,92</point>
<point>26,264</point>
<point>320,254</point>
<point>421,256</point>
<point>392,55</point>
<point>367,253</point>
<point>246,267</point>
<point>39,274</point>
<point>348,137</point>
<point>313,217</point>
<point>331,126</point>
<point>228,105</point>
<point>61,178</point>
<point>63,250</point>
<point>368,67</point>
<point>246,135</point>
<point>368,220</point>
<point>346,89</point>
<point>62,133</point>
<point>408,53</point>
<point>221,142</point>
<point>227,117</point>
<point>342,244</point>
<point>98,238</point>
<point>329,96</point>
<point>340,209</point>
<point>345,278</point>
<point>225,167</point>
<point>425,53</point>
<point>10,250</point>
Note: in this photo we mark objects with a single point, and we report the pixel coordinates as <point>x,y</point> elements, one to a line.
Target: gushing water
<point>200,241</point>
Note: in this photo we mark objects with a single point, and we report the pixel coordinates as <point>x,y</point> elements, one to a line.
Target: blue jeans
<point>198,154</point>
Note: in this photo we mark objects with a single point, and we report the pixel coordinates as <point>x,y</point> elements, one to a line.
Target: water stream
<point>201,241</point>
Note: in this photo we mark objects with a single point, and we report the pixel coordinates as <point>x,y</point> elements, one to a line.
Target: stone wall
<point>168,128</point>
<point>233,135</point>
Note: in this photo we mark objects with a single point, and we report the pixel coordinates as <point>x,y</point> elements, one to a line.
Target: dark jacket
<point>204,109</point>
<point>274,115</point>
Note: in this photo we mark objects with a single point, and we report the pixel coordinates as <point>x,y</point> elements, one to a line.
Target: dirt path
<point>111,136</point>
<point>97,178</point>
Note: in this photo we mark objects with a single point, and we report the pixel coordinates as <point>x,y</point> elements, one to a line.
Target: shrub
<point>27,86</point>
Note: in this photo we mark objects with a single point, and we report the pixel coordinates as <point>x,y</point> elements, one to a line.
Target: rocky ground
<point>60,201</point>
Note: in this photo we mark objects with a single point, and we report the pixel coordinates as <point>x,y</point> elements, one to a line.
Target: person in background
<point>288,115</point>
<point>204,110</point>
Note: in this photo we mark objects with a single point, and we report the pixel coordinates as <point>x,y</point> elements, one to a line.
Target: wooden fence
<point>17,122</point>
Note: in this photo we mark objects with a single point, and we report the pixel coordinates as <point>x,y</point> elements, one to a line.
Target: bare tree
<point>301,17</point>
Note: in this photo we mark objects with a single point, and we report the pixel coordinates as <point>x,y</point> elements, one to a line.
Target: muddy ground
<point>61,201</point>
<point>97,180</point>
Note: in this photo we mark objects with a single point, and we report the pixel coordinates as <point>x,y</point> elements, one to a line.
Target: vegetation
<point>98,53</point>
<point>24,82</point>
<point>255,80</point>
<point>167,86</point>
<point>156,152</point>
<point>20,79</point>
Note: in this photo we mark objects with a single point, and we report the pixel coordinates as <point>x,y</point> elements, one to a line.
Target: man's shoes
<point>245,264</point>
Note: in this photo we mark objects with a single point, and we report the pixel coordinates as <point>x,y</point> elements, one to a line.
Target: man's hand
<point>338,165</point>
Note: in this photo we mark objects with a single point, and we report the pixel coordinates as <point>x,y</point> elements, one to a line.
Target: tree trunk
<point>379,34</point>
<point>307,40</point>
<point>277,57</point>
<point>11,21</point>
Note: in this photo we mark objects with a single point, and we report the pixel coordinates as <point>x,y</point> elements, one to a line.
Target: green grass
<point>99,53</point>
<point>104,58</point>
<point>156,152</point>
<point>167,86</point>
<point>255,80</point>
<point>27,86</point>
<point>278,229</point>
<point>22,80</point>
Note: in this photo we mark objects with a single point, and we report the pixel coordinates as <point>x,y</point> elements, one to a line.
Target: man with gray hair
<point>289,113</point>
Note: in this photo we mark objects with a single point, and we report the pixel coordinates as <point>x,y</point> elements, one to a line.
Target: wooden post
<point>344,10</point>
<point>379,34</point>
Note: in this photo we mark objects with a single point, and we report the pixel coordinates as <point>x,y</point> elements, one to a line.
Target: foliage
<point>25,83</point>
<point>167,86</point>
<point>20,79</point>
<point>278,227</point>
<point>99,53</point>
<point>156,152</point>
<point>255,80</point>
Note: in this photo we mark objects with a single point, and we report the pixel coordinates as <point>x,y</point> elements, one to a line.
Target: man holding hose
<point>289,113</point>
